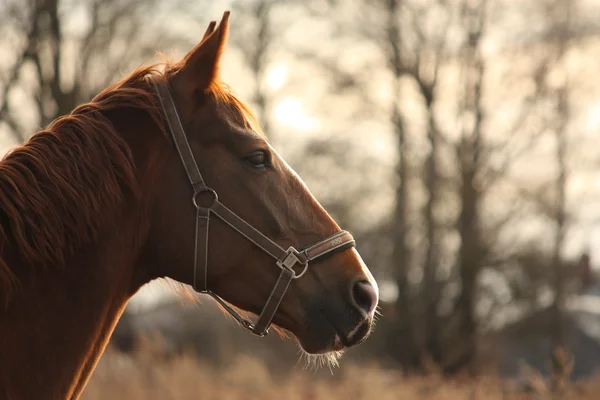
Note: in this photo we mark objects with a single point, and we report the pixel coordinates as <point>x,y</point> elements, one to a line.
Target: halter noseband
<point>286,260</point>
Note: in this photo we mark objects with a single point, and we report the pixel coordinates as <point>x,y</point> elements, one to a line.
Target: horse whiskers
<point>314,362</point>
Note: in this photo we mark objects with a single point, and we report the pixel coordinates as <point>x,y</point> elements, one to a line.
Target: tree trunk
<point>430,290</point>
<point>403,345</point>
<point>470,257</point>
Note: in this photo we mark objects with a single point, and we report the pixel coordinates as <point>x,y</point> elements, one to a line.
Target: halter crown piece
<point>293,263</point>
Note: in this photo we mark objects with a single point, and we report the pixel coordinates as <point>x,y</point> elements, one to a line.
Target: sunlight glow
<point>277,76</point>
<point>593,117</point>
<point>388,291</point>
<point>290,112</point>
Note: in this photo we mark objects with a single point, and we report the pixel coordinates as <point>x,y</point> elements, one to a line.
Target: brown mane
<point>57,189</point>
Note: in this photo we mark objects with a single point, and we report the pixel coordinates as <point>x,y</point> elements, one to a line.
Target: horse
<point>165,173</point>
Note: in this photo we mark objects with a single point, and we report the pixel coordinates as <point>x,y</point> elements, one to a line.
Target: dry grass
<point>148,375</point>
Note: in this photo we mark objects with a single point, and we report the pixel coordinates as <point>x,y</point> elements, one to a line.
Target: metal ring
<point>296,276</point>
<point>215,198</point>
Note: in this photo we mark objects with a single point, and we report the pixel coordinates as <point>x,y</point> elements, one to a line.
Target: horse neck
<point>59,320</point>
<point>57,324</point>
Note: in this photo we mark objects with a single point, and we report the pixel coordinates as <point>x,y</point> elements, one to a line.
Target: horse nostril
<point>365,296</point>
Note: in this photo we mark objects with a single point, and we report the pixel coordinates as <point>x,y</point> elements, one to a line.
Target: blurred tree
<point>255,40</point>
<point>418,40</point>
<point>469,151</point>
<point>61,53</point>
<point>403,338</point>
<point>560,11</point>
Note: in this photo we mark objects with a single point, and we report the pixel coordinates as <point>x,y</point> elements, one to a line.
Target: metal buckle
<point>290,260</point>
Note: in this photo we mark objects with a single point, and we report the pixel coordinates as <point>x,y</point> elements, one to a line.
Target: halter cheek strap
<point>293,263</point>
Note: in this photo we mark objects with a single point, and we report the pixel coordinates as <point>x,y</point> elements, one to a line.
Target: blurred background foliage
<point>457,139</point>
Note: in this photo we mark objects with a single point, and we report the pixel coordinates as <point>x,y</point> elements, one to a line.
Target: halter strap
<point>286,260</point>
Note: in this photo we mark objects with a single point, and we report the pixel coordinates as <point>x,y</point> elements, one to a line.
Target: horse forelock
<point>236,109</point>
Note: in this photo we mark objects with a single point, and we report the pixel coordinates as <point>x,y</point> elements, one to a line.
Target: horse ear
<point>200,67</point>
<point>209,30</point>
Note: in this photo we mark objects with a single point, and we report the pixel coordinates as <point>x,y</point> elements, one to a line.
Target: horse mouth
<point>356,335</point>
<point>337,343</point>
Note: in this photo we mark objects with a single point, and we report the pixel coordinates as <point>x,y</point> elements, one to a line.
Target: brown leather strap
<point>201,251</point>
<point>195,177</point>
<point>248,231</point>
<point>270,308</point>
<point>331,244</point>
<point>341,239</point>
<point>178,134</point>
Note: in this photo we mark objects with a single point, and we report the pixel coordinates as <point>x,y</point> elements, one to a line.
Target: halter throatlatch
<point>293,263</point>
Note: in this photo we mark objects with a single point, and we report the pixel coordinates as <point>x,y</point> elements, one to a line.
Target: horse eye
<point>258,159</point>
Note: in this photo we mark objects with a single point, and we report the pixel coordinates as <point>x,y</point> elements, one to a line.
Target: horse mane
<point>57,189</point>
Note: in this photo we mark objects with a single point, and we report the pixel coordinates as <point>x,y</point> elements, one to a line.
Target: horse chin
<point>320,351</point>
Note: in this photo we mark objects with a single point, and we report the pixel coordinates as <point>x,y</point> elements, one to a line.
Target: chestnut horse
<point>109,198</point>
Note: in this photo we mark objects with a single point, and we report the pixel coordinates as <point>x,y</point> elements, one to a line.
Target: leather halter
<point>286,260</point>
